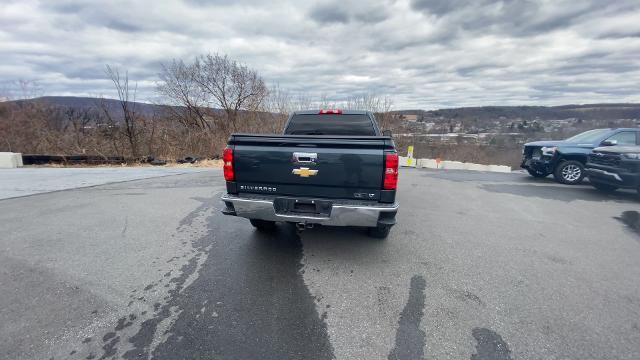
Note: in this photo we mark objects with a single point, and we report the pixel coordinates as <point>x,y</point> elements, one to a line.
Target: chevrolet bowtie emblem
<point>304,172</point>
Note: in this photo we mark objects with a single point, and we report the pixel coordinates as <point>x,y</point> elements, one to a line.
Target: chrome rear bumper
<point>341,214</point>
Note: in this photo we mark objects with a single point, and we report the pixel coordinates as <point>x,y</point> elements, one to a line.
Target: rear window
<point>331,124</point>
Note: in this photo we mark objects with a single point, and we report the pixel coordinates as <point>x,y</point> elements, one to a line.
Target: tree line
<point>204,101</point>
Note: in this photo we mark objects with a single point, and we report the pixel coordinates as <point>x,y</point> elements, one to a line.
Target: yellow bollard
<point>409,155</point>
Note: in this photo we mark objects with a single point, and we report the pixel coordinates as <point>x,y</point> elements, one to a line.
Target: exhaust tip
<point>302,226</point>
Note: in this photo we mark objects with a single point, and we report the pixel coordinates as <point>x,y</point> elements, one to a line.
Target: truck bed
<point>337,167</point>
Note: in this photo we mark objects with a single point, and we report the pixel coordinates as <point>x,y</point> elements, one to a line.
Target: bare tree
<point>109,129</point>
<point>371,102</point>
<point>380,105</point>
<point>279,101</point>
<point>79,120</point>
<point>28,89</point>
<point>303,101</point>
<point>282,101</point>
<point>275,109</point>
<point>178,85</point>
<point>5,124</point>
<point>325,103</point>
<point>127,98</point>
<point>212,81</point>
<point>231,86</point>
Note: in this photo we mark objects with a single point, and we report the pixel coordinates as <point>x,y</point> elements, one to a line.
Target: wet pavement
<point>480,266</point>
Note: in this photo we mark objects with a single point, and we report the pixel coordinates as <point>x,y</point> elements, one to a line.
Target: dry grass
<point>207,163</point>
<point>510,155</point>
<point>212,163</point>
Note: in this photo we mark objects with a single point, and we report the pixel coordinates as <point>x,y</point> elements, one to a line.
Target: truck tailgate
<point>310,166</point>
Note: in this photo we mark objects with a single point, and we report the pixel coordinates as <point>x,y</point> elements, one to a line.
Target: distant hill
<point>483,113</point>
<point>85,103</point>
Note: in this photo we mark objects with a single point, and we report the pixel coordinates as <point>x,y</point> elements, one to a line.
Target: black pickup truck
<point>613,167</point>
<point>330,167</point>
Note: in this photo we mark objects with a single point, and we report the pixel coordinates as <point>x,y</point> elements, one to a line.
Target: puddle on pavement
<point>490,345</point>
<point>631,219</point>
<point>410,338</point>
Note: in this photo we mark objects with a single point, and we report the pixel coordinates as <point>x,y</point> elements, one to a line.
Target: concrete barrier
<point>500,168</point>
<point>407,161</point>
<point>10,160</point>
<point>452,165</point>
<point>476,167</point>
<point>427,163</point>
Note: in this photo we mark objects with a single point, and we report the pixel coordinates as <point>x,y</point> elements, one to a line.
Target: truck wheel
<point>569,172</point>
<point>537,174</point>
<point>263,225</point>
<point>604,187</point>
<point>380,232</point>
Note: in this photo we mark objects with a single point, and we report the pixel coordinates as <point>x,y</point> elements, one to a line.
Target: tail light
<point>227,158</point>
<point>330,111</point>
<point>390,171</point>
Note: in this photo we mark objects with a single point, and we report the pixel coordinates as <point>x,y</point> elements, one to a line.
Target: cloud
<point>422,53</point>
<point>328,13</point>
<point>346,11</point>
<point>440,7</point>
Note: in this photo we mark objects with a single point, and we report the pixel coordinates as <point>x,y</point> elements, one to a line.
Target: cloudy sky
<point>423,53</point>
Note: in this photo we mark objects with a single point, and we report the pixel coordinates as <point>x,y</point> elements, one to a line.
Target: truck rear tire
<point>263,225</point>
<point>569,172</point>
<point>379,232</point>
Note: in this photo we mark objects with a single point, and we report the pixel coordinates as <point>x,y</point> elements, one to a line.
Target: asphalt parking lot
<point>37,180</point>
<point>479,266</point>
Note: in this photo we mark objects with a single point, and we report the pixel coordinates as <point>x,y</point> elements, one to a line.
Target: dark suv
<point>610,168</point>
<point>565,159</point>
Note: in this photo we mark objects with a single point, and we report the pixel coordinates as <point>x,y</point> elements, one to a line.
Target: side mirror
<point>609,143</point>
<point>387,133</point>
